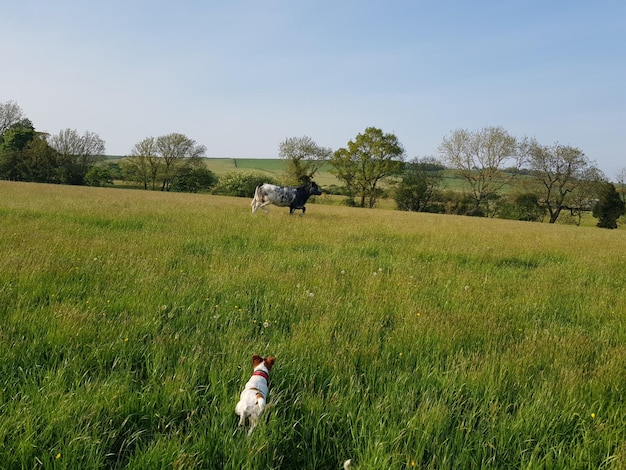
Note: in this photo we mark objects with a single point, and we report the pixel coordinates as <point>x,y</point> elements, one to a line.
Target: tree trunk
<point>555,215</point>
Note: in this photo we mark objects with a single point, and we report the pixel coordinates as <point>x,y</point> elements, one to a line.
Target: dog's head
<point>269,361</point>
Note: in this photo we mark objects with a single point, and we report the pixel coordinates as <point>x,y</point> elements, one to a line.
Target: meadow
<point>403,340</point>
<point>274,167</point>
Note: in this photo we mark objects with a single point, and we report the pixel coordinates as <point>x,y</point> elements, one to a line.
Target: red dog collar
<point>263,374</point>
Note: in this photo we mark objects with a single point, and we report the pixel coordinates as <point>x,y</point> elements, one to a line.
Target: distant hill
<point>274,167</point>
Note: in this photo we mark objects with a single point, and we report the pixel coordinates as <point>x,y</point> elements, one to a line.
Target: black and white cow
<point>284,196</point>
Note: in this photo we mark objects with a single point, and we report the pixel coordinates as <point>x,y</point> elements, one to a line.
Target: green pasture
<point>403,340</point>
<point>220,166</point>
<point>273,167</point>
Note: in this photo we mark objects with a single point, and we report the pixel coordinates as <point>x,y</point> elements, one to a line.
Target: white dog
<point>253,398</point>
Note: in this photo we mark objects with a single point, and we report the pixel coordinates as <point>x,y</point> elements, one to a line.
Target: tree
<point>177,151</point>
<point>158,161</point>
<point>561,170</point>
<point>367,161</point>
<point>304,158</point>
<point>584,198</point>
<point>26,156</point>
<point>14,141</point>
<point>621,180</point>
<point>419,184</point>
<point>609,207</point>
<point>18,135</point>
<point>481,157</point>
<point>40,161</point>
<point>10,114</point>
<point>77,153</point>
<point>143,165</point>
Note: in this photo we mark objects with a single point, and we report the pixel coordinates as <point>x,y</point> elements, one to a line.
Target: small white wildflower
<point>266,324</point>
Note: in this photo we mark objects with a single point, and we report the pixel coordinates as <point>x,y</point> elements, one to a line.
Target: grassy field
<point>128,320</point>
<point>272,167</point>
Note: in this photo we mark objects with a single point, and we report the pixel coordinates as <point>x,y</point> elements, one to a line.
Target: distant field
<point>224,165</point>
<point>273,167</point>
<point>403,340</point>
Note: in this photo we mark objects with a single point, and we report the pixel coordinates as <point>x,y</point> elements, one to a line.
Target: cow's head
<point>314,189</point>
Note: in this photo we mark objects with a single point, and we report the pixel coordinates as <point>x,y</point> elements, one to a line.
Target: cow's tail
<point>257,200</point>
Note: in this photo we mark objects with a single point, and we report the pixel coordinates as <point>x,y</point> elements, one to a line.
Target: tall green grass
<point>128,320</point>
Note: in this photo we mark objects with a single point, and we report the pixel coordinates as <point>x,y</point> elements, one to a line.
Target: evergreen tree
<point>609,206</point>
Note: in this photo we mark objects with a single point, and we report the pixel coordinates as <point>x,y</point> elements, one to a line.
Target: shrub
<point>450,202</point>
<point>419,186</point>
<point>98,176</point>
<point>240,183</point>
<point>194,180</point>
<point>521,207</point>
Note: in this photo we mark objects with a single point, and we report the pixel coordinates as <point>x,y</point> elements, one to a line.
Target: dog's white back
<point>253,398</point>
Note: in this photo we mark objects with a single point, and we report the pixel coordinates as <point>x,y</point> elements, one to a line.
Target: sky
<point>241,76</point>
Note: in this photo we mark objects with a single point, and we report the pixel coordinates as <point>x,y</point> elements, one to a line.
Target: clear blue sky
<point>241,76</point>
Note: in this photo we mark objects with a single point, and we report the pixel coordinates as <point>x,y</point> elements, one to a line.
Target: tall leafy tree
<point>40,161</point>
<point>177,151</point>
<point>420,183</point>
<point>481,157</point>
<point>304,158</point>
<point>561,172</point>
<point>143,165</point>
<point>14,141</point>
<point>26,156</point>
<point>367,161</point>
<point>77,153</point>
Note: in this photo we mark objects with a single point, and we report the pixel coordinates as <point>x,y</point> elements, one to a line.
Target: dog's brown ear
<point>256,360</point>
<point>269,361</point>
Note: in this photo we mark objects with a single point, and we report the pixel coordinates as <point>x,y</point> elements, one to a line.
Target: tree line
<point>169,162</point>
<point>28,155</point>
<point>504,176</point>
